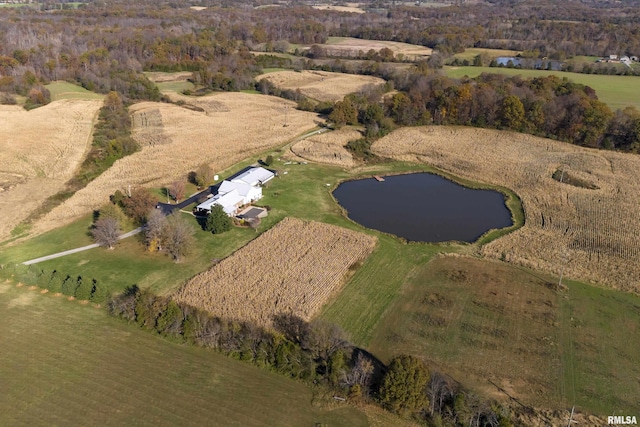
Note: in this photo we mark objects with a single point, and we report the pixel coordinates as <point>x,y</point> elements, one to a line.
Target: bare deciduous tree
<point>106,232</point>
<point>179,236</point>
<point>176,190</point>
<point>155,230</point>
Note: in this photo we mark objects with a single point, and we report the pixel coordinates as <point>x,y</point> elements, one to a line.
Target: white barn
<point>255,176</point>
<point>242,190</point>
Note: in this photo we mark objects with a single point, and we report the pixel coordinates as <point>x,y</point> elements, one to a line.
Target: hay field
<point>328,147</point>
<point>294,268</point>
<point>39,152</point>
<point>321,85</point>
<point>349,46</point>
<point>591,233</point>
<point>176,140</point>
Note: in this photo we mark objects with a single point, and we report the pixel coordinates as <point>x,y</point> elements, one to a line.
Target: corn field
<point>328,147</point>
<point>294,268</point>
<point>39,151</point>
<point>589,234</point>
<point>176,140</point>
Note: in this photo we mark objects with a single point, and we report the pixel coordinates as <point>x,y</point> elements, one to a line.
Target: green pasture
<point>63,363</point>
<point>616,91</point>
<point>472,52</point>
<point>483,321</point>
<point>178,87</point>
<point>65,90</point>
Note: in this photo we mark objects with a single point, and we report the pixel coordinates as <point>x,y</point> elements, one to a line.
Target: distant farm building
<point>242,190</point>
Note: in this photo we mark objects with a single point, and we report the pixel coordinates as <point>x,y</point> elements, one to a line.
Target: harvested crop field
<point>328,147</point>
<point>348,47</point>
<point>588,228</point>
<point>321,85</point>
<point>294,268</point>
<point>39,152</point>
<point>175,140</point>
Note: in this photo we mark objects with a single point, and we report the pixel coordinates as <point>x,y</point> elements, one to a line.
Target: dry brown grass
<point>321,85</point>
<point>328,147</point>
<point>348,46</point>
<point>176,140</point>
<point>39,152</point>
<point>593,232</point>
<point>294,268</point>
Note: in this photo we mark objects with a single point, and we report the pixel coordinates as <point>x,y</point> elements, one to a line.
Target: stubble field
<point>349,46</point>
<point>39,152</point>
<point>175,140</point>
<point>590,234</point>
<point>328,147</point>
<point>294,268</point>
<point>321,85</point>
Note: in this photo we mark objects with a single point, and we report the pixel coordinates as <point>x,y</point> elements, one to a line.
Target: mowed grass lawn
<point>484,321</point>
<point>63,363</point>
<point>65,90</point>
<point>616,91</point>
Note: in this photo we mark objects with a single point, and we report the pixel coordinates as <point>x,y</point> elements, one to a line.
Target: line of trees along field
<point>319,353</point>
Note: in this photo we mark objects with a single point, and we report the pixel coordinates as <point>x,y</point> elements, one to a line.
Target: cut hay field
<point>65,90</point>
<point>171,82</point>
<point>349,47</point>
<point>328,147</point>
<point>175,140</point>
<point>39,152</point>
<point>483,321</point>
<point>617,92</point>
<point>63,363</point>
<point>321,85</point>
<point>591,234</point>
<point>294,268</point>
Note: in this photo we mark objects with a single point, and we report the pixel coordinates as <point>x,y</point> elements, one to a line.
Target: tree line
<point>79,287</point>
<point>315,352</point>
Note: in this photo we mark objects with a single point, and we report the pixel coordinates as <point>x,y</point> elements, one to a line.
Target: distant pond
<point>423,207</point>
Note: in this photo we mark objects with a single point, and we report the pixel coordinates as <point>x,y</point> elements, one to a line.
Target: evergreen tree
<point>84,289</point>
<point>218,221</point>
<point>170,321</point>
<point>57,279</point>
<point>99,294</point>
<point>404,386</point>
<point>70,285</point>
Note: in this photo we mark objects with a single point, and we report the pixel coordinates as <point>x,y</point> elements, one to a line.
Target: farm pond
<point>423,207</point>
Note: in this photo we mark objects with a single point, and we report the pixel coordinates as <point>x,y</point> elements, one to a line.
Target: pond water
<point>423,207</point>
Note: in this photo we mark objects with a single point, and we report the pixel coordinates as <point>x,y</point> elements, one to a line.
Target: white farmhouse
<point>241,190</point>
